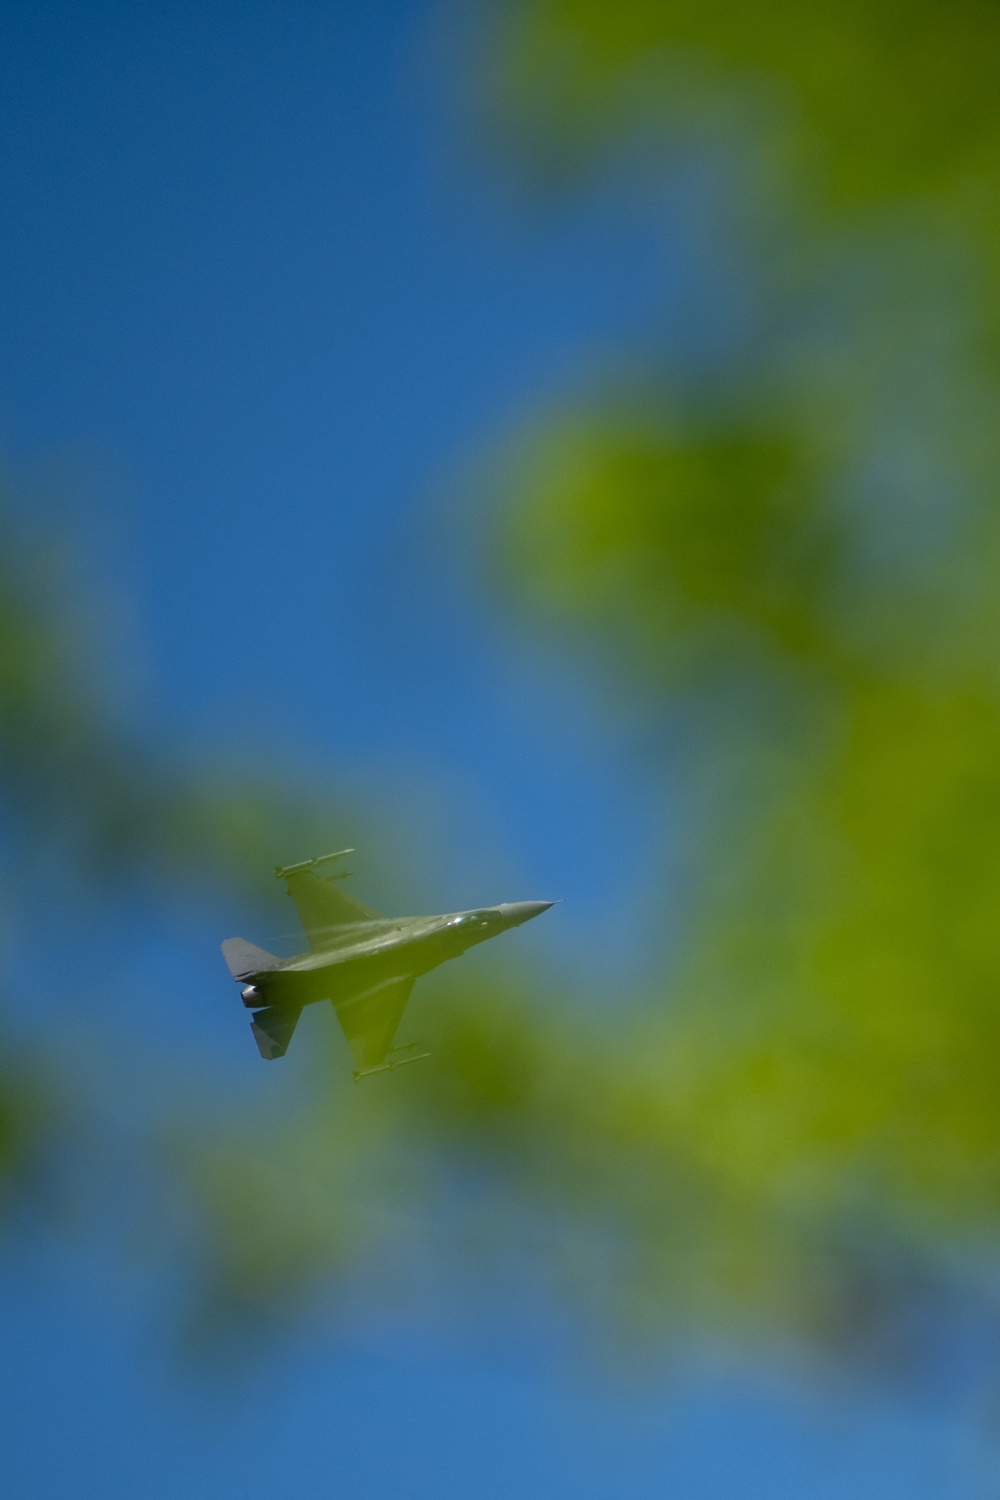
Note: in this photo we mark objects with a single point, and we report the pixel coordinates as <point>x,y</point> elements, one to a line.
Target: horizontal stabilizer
<point>246,958</point>
<point>272,1030</point>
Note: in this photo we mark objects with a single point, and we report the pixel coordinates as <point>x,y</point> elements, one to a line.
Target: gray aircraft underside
<point>366,964</point>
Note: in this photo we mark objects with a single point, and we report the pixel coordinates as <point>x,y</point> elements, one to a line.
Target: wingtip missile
<point>280,871</point>
<point>392,1063</point>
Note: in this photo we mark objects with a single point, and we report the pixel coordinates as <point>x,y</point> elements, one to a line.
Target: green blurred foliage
<point>886,101</point>
<point>798,565</point>
<point>691,546</point>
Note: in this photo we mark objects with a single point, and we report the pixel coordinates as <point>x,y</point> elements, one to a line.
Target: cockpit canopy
<point>488,917</point>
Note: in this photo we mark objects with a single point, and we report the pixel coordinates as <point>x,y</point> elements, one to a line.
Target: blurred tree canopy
<point>794,558</point>
<point>884,101</point>
<point>797,558</point>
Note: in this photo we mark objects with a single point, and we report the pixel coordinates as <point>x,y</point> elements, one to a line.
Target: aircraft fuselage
<point>363,955</point>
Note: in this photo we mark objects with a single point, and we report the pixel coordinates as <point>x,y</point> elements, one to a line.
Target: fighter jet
<point>363,962</point>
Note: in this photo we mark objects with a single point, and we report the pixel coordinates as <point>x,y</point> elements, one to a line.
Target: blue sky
<point>93,1412</point>
<point>258,289</point>
<point>266,307</point>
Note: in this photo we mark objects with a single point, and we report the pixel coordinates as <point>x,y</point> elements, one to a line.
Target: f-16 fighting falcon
<point>363,962</point>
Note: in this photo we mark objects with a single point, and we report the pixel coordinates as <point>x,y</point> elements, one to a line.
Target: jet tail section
<point>245,958</point>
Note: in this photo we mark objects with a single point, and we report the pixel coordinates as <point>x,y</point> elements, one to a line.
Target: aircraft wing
<point>369,1021</point>
<point>323,908</point>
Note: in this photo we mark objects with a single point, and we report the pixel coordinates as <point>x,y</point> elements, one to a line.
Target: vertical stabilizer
<point>245,958</point>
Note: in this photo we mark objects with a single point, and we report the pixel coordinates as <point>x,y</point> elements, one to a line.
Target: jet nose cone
<point>516,912</point>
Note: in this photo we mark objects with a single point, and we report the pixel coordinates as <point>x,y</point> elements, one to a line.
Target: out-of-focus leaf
<point>883,101</point>
<point>688,546</point>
